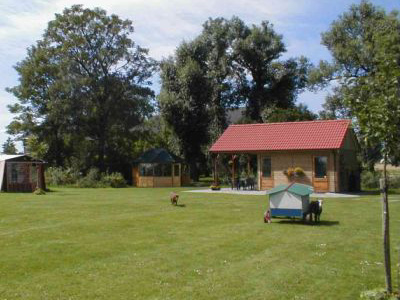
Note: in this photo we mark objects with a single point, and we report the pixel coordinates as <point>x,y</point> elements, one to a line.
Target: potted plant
<point>215,186</point>
<point>293,173</point>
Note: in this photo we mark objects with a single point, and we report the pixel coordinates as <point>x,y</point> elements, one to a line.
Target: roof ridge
<point>294,122</point>
<point>287,188</point>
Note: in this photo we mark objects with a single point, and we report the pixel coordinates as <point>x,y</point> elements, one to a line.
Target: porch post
<point>259,173</point>
<point>216,168</point>
<point>233,171</point>
<point>248,165</point>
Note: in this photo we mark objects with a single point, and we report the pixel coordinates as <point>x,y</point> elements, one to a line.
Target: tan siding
<point>146,181</point>
<point>163,182</point>
<point>303,159</point>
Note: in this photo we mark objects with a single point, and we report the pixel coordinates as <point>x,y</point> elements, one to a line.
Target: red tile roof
<point>309,135</point>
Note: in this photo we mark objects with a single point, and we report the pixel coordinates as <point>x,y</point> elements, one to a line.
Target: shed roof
<point>18,157</point>
<point>308,135</point>
<point>295,188</point>
<point>158,155</point>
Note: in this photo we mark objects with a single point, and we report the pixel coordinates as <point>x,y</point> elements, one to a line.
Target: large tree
<point>365,45</point>
<point>234,65</point>
<point>183,100</point>
<point>266,80</point>
<point>82,89</point>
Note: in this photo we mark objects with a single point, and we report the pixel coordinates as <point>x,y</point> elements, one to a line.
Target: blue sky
<point>161,25</point>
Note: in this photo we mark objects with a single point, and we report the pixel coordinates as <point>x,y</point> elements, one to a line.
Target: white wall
<point>285,199</point>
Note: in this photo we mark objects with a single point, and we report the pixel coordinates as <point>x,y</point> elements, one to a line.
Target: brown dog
<point>174,198</point>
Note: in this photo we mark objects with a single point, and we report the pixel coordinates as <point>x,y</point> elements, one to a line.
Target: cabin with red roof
<point>323,153</point>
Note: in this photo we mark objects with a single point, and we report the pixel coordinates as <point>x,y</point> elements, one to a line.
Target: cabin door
<point>320,174</point>
<point>176,175</point>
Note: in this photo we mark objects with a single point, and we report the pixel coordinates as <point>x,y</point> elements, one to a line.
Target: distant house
<point>21,173</point>
<point>325,150</point>
<point>160,168</point>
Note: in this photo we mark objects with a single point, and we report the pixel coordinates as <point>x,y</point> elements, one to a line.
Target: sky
<point>161,25</point>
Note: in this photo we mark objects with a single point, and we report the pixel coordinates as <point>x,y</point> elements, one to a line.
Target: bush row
<point>93,179</point>
<point>370,180</point>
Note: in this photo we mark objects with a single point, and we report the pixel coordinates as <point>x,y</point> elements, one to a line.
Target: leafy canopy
<point>82,89</point>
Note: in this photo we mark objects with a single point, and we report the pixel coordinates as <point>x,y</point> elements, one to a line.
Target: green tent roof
<point>295,188</point>
<point>159,156</point>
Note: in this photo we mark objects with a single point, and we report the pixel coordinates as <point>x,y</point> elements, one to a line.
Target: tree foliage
<point>294,114</point>
<point>365,45</point>
<point>183,101</point>
<point>265,80</point>
<point>83,87</point>
<point>228,65</point>
<point>9,147</point>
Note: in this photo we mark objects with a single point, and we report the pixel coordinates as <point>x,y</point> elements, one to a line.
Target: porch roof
<point>309,135</point>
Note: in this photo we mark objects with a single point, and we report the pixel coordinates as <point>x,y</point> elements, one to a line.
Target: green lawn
<point>132,244</point>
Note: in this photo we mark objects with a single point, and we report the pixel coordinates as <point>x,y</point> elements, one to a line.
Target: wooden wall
<point>281,161</point>
<point>30,176</point>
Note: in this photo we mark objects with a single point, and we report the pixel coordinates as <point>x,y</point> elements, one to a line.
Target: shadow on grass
<point>301,222</point>
<point>180,205</point>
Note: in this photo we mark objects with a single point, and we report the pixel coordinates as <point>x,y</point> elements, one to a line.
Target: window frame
<point>270,166</point>
<point>316,163</point>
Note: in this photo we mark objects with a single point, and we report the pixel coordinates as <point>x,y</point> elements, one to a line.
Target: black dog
<point>316,209</point>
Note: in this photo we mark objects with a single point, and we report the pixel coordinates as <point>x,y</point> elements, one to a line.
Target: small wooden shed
<point>21,173</point>
<point>289,200</point>
<point>160,168</point>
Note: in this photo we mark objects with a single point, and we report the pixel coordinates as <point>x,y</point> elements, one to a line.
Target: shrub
<point>394,182</point>
<point>60,176</point>
<point>370,180</point>
<point>91,180</point>
<point>115,180</point>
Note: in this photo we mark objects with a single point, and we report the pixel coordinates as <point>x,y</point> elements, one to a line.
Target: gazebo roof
<point>294,188</point>
<point>158,155</point>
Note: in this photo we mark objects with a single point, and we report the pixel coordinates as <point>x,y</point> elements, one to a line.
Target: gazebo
<point>160,168</point>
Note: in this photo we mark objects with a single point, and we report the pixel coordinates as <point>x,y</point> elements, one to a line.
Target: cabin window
<point>146,170</point>
<point>158,170</point>
<point>320,166</point>
<point>162,170</point>
<point>167,170</point>
<point>266,167</point>
<point>176,170</point>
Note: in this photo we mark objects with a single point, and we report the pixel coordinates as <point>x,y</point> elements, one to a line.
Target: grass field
<point>132,244</point>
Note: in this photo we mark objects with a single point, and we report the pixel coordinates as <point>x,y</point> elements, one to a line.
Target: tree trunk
<point>101,153</point>
<point>385,220</point>
<point>194,172</point>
